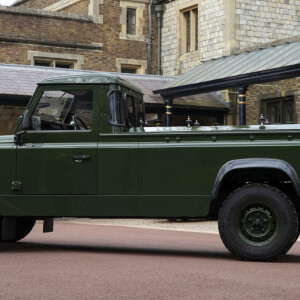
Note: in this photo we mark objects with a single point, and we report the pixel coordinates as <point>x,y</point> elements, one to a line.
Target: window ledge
<point>131,37</point>
<point>190,55</point>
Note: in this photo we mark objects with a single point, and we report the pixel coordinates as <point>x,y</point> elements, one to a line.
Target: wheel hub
<point>257,224</point>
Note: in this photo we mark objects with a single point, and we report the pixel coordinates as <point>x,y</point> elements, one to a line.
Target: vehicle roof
<point>101,78</point>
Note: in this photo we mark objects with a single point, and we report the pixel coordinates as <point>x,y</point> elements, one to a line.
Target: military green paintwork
<point>133,172</point>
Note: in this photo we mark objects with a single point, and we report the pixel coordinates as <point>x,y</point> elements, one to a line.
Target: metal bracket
<point>16,186</point>
<point>19,137</point>
<point>48,225</point>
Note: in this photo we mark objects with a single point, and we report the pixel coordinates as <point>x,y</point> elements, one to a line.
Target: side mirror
<point>26,120</point>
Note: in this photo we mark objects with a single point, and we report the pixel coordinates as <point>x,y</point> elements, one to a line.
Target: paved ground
<point>80,261</point>
<point>195,225</point>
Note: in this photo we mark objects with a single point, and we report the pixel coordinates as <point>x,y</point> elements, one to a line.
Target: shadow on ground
<point>47,247</point>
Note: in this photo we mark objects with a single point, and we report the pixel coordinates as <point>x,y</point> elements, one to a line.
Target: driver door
<point>58,155</point>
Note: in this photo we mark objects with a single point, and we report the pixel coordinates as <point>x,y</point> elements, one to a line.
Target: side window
<point>130,110</point>
<point>125,109</point>
<point>64,110</point>
<point>135,110</point>
<point>116,114</point>
<point>139,110</point>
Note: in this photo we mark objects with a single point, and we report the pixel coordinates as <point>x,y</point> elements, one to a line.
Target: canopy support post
<point>242,104</point>
<point>168,106</point>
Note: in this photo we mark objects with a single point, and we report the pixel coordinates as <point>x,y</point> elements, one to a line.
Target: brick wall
<point>45,28</point>
<point>77,8</point>
<point>80,7</point>
<point>28,24</point>
<point>8,118</point>
<point>39,4</point>
<point>270,90</point>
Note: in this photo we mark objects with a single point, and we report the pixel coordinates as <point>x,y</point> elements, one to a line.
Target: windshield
<point>54,106</point>
<point>65,107</point>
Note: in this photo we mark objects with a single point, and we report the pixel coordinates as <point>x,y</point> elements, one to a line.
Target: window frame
<point>130,26</point>
<point>35,101</point>
<point>53,62</point>
<point>135,68</point>
<point>139,65</point>
<point>119,124</point>
<point>283,102</point>
<point>190,29</point>
<point>76,59</point>
<point>126,122</point>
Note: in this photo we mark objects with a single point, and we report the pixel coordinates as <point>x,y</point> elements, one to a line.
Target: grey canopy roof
<point>21,80</point>
<point>250,67</point>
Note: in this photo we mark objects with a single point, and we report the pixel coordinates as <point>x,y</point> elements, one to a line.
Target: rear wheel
<point>23,227</point>
<point>258,222</point>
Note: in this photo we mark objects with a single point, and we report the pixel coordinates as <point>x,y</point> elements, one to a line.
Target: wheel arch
<point>247,168</point>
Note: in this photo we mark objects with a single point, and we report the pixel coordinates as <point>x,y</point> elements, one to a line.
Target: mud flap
<point>9,228</point>
<point>48,225</point>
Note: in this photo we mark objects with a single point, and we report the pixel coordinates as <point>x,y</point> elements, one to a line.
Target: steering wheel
<point>78,120</point>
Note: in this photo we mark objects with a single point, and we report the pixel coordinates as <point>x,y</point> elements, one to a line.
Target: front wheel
<point>23,227</point>
<point>258,222</point>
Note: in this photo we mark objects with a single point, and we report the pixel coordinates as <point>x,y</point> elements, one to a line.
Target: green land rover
<point>82,149</point>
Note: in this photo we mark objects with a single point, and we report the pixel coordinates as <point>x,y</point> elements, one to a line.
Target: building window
<point>55,60</point>
<point>131,21</point>
<point>133,66</point>
<point>187,19</point>
<point>195,11</point>
<point>279,110</point>
<point>190,24</point>
<point>54,63</point>
<point>129,69</point>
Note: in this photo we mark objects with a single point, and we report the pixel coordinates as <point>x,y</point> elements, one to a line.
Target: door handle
<point>81,158</point>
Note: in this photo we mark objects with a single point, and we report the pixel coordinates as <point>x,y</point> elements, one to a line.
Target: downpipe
<point>149,37</point>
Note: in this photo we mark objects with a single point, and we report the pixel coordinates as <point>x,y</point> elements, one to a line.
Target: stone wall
<point>211,41</point>
<point>259,22</point>
<point>225,27</point>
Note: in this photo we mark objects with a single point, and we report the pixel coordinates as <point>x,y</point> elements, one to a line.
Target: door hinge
<point>16,186</point>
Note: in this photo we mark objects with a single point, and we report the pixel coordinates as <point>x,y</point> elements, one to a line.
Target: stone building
<point>200,30</point>
<point>195,31</point>
<point>113,35</point>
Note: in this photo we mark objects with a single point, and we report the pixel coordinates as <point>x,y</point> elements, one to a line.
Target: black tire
<point>298,231</point>
<point>258,222</point>
<point>24,226</point>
